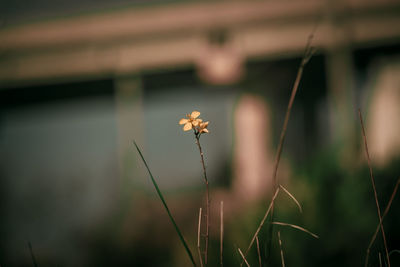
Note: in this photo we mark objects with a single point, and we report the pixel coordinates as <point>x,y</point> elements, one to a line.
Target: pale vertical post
<point>341,97</point>
<point>341,85</point>
<point>129,124</point>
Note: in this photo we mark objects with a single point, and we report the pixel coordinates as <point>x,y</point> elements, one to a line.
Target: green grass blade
<point>166,207</point>
<point>32,255</point>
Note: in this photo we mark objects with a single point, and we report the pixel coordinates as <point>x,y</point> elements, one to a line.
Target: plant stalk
<point>374,187</point>
<point>207,199</point>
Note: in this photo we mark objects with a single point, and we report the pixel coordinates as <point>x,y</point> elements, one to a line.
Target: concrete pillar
<point>341,99</point>
<point>341,86</point>
<point>129,117</point>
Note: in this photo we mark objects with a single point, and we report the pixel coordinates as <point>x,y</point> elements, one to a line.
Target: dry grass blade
<point>198,239</point>
<point>280,246</point>
<point>380,260</point>
<point>258,251</point>
<point>383,217</point>
<point>261,223</point>
<point>296,227</point>
<point>374,187</point>
<point>171,218</point>
<point>221,249</point>
<point>308,53</point>
<point>243,257</point>
<point>292,197</point>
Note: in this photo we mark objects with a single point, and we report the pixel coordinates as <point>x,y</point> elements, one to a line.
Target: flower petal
<point>204,130</point>
<point>195,114</point>
<point>183,121</point>
<point>196,122</point>
<point>204,124</point>
<point>187,126</point>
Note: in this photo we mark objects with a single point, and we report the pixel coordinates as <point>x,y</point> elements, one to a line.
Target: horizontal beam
<point>137,24</point>
<point>177,35</point>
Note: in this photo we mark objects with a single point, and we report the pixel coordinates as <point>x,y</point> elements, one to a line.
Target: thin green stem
<point>32,254</point>
<point>166,207</point>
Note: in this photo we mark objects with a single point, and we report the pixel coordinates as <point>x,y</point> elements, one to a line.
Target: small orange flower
<point>192,120</point>
<point>203,127</point>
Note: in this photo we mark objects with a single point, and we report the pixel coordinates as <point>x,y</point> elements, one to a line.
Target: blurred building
<point>79,80</point>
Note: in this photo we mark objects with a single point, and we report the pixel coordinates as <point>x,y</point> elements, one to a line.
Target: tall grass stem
<point>308,53</point>
<point>383,217</point>
<point>374,187</point>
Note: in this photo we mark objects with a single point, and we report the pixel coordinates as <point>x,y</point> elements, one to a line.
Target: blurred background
<point>79,80</point>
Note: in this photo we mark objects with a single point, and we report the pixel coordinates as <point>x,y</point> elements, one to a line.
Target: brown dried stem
<point>296,227</point>
<point>261,223</point>
<point>258,251</point>
<point>308,53</point>
<point>383,217</point>
<point>207,199</point>
<point>221,249</point>
<point>243,257</point>
<point>198,239</point>
<point>292,197</point>
<point>374,188</point>
<point>280,246</point>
